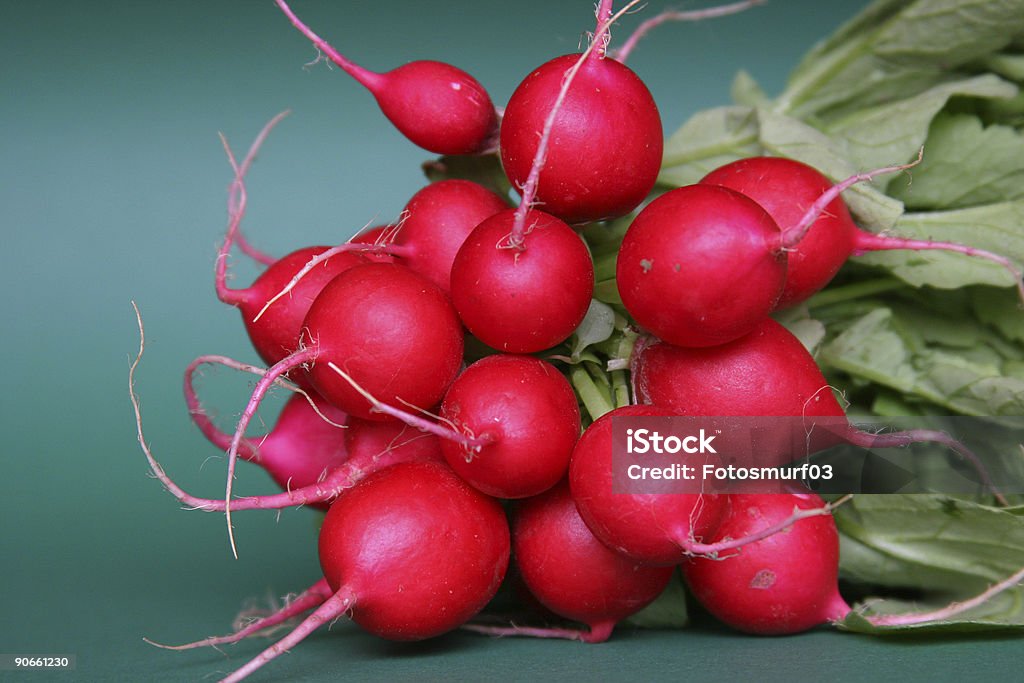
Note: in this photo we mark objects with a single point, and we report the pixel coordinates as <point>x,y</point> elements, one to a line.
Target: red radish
<point>528,300</point>
<point>305,444</point>
<point>275,332</point>
<point>788,190</point>
<point>393,331</point>
<point>525,413</point>
<point>700,240</point>
<point>699,266</point>
<point>605,144</point>
<point>410,553</point>
<point>653,528</point>
<point>572,573</point>
<point>371,446</point>
<point>437,106</point>
<point>785,583</point>
<point>659,527</point>
<point>767,373</point>
<point>436,222</point>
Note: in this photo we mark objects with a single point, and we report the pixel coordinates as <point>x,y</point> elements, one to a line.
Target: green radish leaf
<point>999,309</point>
<point>607,291</point>
<point>667,611</point>
<point>902,352</point>
<point>964,165</point>
<point>997,227</point>
<point>893,133</point>
<point>598,325</point>
<point>799,322</point>
<point>1007,65</point>
<point>746,92</point>
<point>895,50</point>
<point>708,140</point>
<point>949,32</point>
<point>947,548</point>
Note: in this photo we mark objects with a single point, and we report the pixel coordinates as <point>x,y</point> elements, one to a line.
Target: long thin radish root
<point>311,598</point>
<point>952,610</point>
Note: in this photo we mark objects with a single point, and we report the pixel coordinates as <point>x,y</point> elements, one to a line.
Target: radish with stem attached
<point>435,105</point>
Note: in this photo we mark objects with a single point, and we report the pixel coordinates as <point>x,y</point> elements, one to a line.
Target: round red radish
<point>528,416</point>
<point>767,372</point>
<point>605,149</point>
<point>528,299</point>
<point>572,573</point>
<point>420,550</point>
<point>653,528</point>
<point>391,330</point>
<point>786,189</point>
<point>437,221</point>
<point>818,232</point>
<point>437,106</point>
<point>276,334</point>
<point>701,265</point>
<point>785,583</point>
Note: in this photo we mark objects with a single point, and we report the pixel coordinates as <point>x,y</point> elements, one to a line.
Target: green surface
<point>112,184</point>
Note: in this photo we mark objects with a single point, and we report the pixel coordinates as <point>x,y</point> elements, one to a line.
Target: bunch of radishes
<point>410,440</point>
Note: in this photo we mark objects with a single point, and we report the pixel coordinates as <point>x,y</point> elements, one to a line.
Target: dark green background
<point>112,188</point>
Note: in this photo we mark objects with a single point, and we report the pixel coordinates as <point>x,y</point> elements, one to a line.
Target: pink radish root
<point>332,485</point>
<point>312,597</point>
<point>950,611</point>
<point>237,201</point>
<point>470,443</point>
<point>712,550</point>
<point>864,439</point>
<point>330,609</point>
<point>598,633</point>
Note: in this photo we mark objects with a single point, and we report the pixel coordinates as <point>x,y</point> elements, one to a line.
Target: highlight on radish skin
<point>435,105</point>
